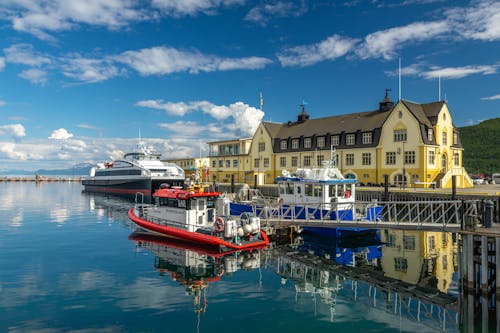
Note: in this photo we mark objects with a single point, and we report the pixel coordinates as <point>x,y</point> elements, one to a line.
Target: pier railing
<point>446,214</point>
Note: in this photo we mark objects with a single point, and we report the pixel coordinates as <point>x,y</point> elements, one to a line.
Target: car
<point>478,181</point>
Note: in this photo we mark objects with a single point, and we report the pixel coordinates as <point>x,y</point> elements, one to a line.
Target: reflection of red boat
<point>191,215</point>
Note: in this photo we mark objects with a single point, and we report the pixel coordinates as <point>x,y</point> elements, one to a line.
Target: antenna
<point>439,87</point>
<point>399,74</point>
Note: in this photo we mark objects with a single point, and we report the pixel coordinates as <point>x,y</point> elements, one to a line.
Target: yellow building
<point>191,165</point>
<point>413,144</point>
<point>419,257</point>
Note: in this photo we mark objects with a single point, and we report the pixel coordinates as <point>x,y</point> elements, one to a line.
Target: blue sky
<point>80,79</point>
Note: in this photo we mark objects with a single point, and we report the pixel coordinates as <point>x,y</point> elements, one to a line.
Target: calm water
<point>67,264</point>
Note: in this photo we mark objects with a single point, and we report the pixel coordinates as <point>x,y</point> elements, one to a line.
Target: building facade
<point>412,144</point>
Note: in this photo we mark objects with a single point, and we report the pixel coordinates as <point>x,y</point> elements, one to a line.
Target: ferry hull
<point>195,237</point>
<point>146,186</point>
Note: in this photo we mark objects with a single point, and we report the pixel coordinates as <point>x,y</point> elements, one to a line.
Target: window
<point>214,163</point>
<point>409,157</point>
<point>367,138</point>
<point>283,144</point>
<point>432,243</point>
<point>307,142</point>
<point>444,138</point>
<point>228,163</point>
<point>307,160</point>
<point>350,139</point>
<point>235,163</point>
<point>432,157</point>
<point>456,159</point>
<point>295,144</point>
<point>349,159</point>
<point>400,135</point>
<point>295,161</point>
<point>266,162</point>
<point>319,159</point>
<point>430,134</point>
<point>335,140</point>
<point>455,138</point>
<point>367,158</point>
<point>282,162</point>
<point>409,242</point>
<point>320,141</point>
<point>262,146</point>
<point>221,163</point>
<point>390,157</point>
<point>256,163</point>
<point>391,240</point>
<point>400,264</point>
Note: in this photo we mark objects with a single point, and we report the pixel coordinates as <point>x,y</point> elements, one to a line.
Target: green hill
<point>481,144</point>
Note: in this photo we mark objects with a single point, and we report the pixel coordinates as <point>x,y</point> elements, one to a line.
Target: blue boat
<point>320,194</point>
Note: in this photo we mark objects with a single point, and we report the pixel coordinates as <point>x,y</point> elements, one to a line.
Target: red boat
<point>192,215</point>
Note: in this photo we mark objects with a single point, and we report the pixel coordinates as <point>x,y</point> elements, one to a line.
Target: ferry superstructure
<point>139,171</point>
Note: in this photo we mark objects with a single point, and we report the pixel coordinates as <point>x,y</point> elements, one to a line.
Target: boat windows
<point>118,173</point>
<point>299,189</point>
<point>201,204</point>
<point>181,203</point>
<point>333,191</point>
<point>170,202</point>
<point>308,190</point>
<point>289,188</point>
<point>282,188</point>
<point>318,190</point>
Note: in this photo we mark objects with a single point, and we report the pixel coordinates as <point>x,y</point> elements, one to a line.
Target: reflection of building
<point>421,258</point>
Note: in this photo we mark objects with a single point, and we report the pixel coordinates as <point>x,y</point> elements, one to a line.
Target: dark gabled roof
<point>426,114</point>
<point>349,123</point>
<point>272,128</point>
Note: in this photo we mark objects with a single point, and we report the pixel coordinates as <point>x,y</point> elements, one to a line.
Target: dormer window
<point>295,144</point>
<point>307,143</point>
<point>320,141</point>
<point>350,139</point>
<point>367,138</point>
<point>455,138</point>
<point>430,134</point>
<point>283,144</point>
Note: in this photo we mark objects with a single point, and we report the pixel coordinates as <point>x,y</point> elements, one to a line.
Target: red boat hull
<point>193,236</point>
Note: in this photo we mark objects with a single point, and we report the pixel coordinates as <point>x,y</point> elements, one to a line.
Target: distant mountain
<point>81,169</point>
<point>481,144</point>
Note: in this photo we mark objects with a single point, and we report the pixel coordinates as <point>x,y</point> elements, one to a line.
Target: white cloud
<point>16,131</point>
<point>88,126</point>
<point>88,70</point>
<point>480,21</point>
<point>491,98</point>
<point>2,63</point>
<point>385,43</point>
<point>8,149</point>
<point>163,60</point>
<point>192,7</point>
<point>41,17</point>
<point>262,13</point>
<point>60,134</point>
<point>459,72</point>
<point>25,54</point>
<point>2,103</point>
<point>34,75</point>
<point>331,48</point>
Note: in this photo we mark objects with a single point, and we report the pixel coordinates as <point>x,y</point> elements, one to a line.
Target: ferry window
<point>289,188</point>
<point>318,190</point>
<point>181,203</point>
<point>308,190</point>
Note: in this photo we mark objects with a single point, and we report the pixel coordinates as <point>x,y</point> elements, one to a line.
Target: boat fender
<point>219,224</point>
